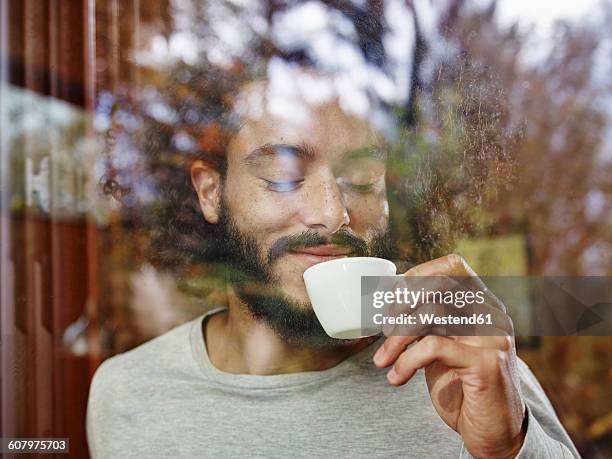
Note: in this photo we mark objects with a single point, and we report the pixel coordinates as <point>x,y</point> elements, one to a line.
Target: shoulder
<point>125,384</point>
<point>168,355</point>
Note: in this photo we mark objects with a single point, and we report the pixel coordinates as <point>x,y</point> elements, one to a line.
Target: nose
<point>325,208</point>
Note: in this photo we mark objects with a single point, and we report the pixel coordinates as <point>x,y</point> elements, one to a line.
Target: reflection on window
<point>489,150</point>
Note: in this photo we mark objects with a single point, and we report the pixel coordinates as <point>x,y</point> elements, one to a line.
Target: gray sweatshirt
<point>166,399</point>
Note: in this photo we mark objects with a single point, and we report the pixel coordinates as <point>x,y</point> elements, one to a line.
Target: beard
<point>249,270</point>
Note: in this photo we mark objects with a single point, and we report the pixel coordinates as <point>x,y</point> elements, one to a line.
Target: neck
<point>239,344</point>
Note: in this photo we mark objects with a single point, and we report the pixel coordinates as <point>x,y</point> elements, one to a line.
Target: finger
<point>464,284</point>
<point>391,349</point>
<point>503,343</point>
<point>395,346</point>
<point>447,320</point>
<point>475,284</point>
<point>433,349</point>
<point>397,324</point>
<point>449,265</point>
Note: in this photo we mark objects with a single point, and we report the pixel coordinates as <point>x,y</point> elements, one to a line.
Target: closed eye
<point>283,187</point>
<point>361,188</point>
<point>356,187</point>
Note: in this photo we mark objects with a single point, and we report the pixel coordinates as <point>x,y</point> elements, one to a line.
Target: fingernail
<point>378,355</point>
<point>391,375</point>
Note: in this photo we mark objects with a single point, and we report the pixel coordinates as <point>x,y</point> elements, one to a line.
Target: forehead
<point>271,116</point>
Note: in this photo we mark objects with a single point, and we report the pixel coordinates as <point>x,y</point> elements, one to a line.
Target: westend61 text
<point>432,319</point>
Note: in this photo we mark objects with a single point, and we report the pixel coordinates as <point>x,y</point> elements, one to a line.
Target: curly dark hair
<point>188,118</point>
<point>432,188</point>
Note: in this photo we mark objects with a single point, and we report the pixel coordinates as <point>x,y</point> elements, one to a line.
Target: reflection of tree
<point>487,153</point>
<point>550,183</point>
<point>468,167</point>
<point>489,145</point>
<point>157,125</point>
<point>49,155</point>
<point>528,141</point>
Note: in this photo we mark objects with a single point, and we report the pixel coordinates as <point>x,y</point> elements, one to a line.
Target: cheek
<point>255,209</point>
<point>369,213</point>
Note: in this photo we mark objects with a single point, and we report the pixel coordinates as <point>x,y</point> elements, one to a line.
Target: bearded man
<point>302,181</point>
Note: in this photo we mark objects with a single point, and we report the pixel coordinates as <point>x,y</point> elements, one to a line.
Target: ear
<point>207,182</point>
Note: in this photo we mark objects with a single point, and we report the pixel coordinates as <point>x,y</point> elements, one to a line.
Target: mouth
<point>314,255</point>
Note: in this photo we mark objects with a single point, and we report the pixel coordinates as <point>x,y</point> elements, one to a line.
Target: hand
<point>472,380</point>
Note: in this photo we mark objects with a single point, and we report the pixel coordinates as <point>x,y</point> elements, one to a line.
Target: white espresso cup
<point>334,288</point>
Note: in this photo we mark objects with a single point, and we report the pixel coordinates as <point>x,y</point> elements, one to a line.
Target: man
<point>303,181</point>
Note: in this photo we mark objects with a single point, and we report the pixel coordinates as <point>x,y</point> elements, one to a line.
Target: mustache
<point>357,246</point>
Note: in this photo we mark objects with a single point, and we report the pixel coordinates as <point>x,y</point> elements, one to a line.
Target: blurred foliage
<point>546,194</point>
<point>576,373</point>
<point>497,256</point>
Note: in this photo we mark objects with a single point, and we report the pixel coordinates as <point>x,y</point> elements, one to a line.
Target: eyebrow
<point>275,150</point>
<point>373,152</point>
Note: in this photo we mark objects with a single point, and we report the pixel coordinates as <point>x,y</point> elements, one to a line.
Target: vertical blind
<point>56,56</point>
